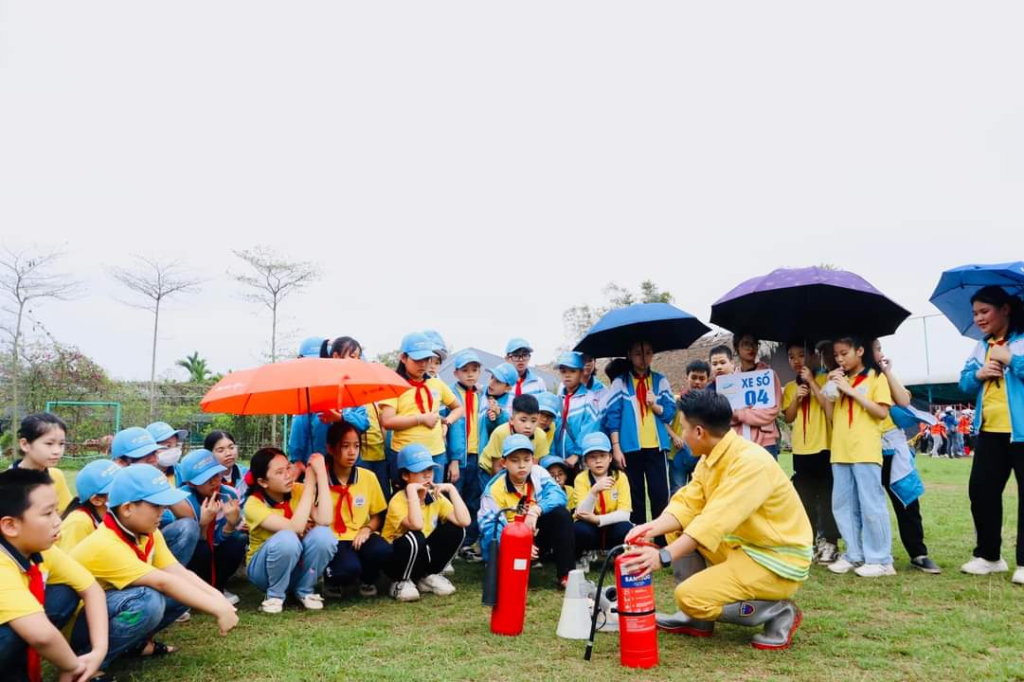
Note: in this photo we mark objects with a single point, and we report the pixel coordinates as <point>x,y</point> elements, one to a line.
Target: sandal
<point>159,649</point>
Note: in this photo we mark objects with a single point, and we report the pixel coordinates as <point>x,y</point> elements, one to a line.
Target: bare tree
<point>271,280</point>
<point>153,282</point>
<point>25,276</point>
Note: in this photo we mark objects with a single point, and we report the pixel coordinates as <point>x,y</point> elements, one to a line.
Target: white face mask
<point>169,457</point>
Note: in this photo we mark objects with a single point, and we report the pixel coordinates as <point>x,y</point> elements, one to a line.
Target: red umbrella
<point>303,386</point>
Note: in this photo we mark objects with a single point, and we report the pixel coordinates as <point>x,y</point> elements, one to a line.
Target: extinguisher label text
<point>520,565</point>
<point>634,581</point>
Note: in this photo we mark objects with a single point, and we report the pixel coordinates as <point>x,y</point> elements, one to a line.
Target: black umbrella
<point>664,326</point>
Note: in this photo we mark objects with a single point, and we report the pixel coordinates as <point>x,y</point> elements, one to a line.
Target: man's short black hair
<point>721,349</point>
<point>698,366</point>
<point>708,409</point>
<point>15,487</point>
<point>525,403</point>
<point>797,343</point>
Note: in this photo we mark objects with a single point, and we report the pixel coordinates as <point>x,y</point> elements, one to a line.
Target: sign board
<point>748,389</point>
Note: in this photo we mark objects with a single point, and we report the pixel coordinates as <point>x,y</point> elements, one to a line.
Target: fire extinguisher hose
<point>612,553</point>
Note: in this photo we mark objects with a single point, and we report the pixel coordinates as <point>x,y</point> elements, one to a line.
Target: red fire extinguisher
<point>638,631</point>
<point>514,552</point>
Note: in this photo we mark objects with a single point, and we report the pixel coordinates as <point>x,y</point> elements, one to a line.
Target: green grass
<point>910,627</point>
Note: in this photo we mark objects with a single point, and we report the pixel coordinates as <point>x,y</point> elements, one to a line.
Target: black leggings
<point>812,478</point>
<point>908,518</point>
<point>555,535</point>
<point>415,556</point>
<point>994,458</point>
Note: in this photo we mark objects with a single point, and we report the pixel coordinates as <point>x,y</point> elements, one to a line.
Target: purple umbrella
<point>809,304</point>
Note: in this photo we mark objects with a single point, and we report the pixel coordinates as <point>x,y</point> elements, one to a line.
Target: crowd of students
<point>402,487</point>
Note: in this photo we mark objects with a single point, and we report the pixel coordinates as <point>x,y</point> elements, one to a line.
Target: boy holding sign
<point>757,424</point>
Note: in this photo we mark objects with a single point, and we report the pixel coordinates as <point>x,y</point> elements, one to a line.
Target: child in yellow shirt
<point>603,500</point>
<point>86,511</point>
<point>41,439</point>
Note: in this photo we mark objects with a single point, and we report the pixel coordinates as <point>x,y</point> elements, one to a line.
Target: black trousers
<point>225,559</point>
<point>415,556</point>
<point>555,536</point>
<point>647,471</point>
<point>908,518</point>
<point>590,537</point>
<point>812,478</point>
<point>994,458</point>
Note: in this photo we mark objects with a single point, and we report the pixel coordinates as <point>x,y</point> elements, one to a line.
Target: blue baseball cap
<point>417,346</point>
<point>552,460</point>
<point>505,373</point>
<point>415,457</point>
<point>465,357</point>
<point>515,443</point>
<point>596,442</point>
<point>517,343</point>
<point>95,478</point>
<point>162,431</point>
<point>570,359</point>
<point>199,466</point>
<point>134,442</point>
<point>143,483</point>
<point>311,347</point>
<point>548,402</point>
<point>438,342</point>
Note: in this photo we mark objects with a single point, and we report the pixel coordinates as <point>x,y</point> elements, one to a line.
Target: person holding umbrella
<point>995,374</point>
<point>639,412</point>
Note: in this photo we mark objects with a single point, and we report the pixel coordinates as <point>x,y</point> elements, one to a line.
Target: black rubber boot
<point>679,622</point>
<point>780,620</point>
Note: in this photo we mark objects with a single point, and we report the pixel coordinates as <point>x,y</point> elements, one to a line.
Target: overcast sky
<point>479,167</point>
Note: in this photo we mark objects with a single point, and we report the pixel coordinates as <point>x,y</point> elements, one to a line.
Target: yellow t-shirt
<point>63,492</point>
<point>616,499</point>
<point>856,435</point>
<point>472,419</point>
<point>405,406</point>
<point>810,431</point>
<point>740,497</point>
<point>367,500</point>
<point>112,561</point>
<point>256,511</point>
<point>436,510</point>
<point>76,527</point>
<point>570,497</point>
<point>648,425</point>
<point>995,407</point>
<point>57,568</point>
<point>492,451</point>
<point>373,442</point>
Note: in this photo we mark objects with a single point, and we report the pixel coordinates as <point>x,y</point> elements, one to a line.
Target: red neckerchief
<point>565,408</point>
<point>1000,342</point>
<point>422,386</point>
<point>857,381</point>
<point>470,397</point>
<point>524,500</point>
<point>285,505</point>
<point>600,497</point>
<point>344,496</point>
<point>519,386</point>
<point>805,408</point>
<point>211,530</point>
<point>641,393</point>
<point>33,663</point>
<point>110,522</point>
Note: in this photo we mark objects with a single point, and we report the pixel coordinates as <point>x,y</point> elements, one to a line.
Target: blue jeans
<point>349,565</point>
<point>181,537</point>
<point>441,461</point>
<point>860,511</point>
<point>380,470</point>
<point>136,613</point>
<point>287,564</point>
<point>469,488</point>
<point>773,450</point>
<point>61,602</point>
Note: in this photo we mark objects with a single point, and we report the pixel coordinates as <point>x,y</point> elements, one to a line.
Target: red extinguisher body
<point>514,551</point>
<point>638,631</point>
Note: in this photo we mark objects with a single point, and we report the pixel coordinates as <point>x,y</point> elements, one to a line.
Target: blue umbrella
<point>664,326</point>
<point>953,293</point>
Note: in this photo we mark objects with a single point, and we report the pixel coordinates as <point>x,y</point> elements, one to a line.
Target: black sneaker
<point>470,555</point>
<point>923,563</point>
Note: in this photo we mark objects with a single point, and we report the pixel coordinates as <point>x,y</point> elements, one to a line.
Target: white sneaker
<point>272,605</point>
<point>583,564</point>
<point>232,597</point>
<point>184,618</point>
<point>448,569</point>
<point>436,584</point>
<point>874,570</point>
<point>404,590</point>
<point>312,602</point>
<point>1018,575</point>
<point>828,553</point>
<point>368,590</point>
<point>979,566</point>
<point>841,565</point>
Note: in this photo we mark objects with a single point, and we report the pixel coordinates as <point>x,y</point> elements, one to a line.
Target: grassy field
<point>910,627</point>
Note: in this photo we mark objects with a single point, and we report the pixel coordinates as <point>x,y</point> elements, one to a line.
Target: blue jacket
<point>1013,375</point>
<point>487,427</point>
<point>622,413</point>
<point>581,420</point>
<point>458,448</point>
<point>299,446</point>
<point>532,384</point>
<point>548,495</point>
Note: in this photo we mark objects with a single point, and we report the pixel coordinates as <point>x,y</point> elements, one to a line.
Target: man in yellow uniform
<point>740,515</point>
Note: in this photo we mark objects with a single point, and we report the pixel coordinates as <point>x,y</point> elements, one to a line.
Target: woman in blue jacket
<point>995,374</point>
